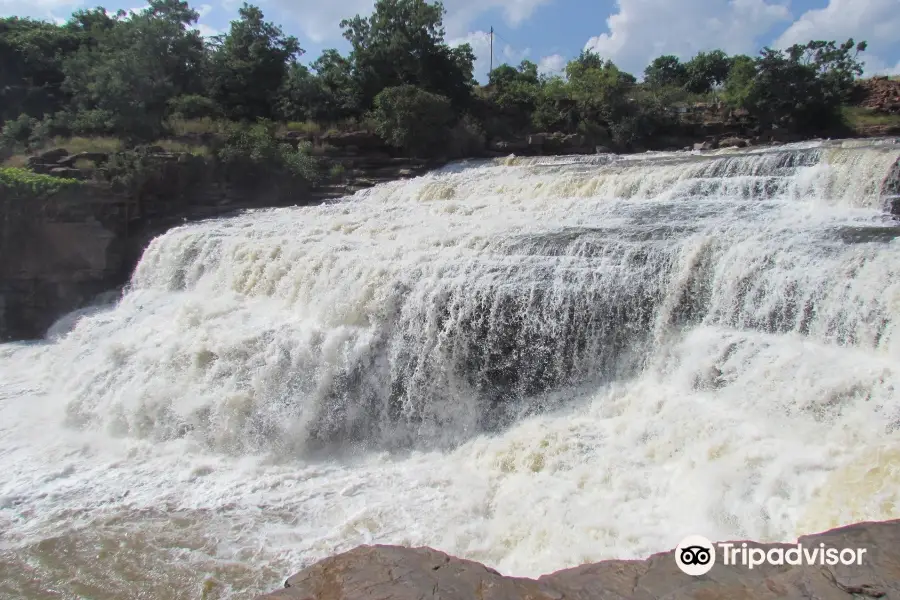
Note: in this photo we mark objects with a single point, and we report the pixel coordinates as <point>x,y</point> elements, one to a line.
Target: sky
<point>549,32</point>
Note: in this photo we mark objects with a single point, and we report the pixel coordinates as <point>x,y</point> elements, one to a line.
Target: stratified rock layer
<point>395,573</point>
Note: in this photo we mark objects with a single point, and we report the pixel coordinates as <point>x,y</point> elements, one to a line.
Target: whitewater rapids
<point>532,363</point>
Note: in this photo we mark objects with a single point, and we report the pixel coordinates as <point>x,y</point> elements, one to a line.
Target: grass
<point>73,145</point>
<point>858,116</point>
<point>83,163</point>
<point>87,144</point>
<point>206,125</point>
<point>186,147</point>
<point>306,127</point>
<point>19,161</point>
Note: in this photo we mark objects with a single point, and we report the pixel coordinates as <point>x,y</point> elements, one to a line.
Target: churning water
<point>528,362</point>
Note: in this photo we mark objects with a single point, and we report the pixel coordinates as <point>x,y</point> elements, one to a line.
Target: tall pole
<point>492,51</point>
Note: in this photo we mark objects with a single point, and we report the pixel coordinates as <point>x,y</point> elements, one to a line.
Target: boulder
<point>94,157</point>
<point>559,143</point>
<point>376,572</point>
<point>509,146</point>
<point>536,140</point>
<point>51,156</point>
<point>733,142</point>
<point>68,173</point>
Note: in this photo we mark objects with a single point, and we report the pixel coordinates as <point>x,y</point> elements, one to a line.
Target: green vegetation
<point>141,78</point>
<point>858,116</point>
<point>18,182</point>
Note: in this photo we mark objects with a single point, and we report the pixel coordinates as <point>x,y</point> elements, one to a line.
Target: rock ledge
<point>396,573</point>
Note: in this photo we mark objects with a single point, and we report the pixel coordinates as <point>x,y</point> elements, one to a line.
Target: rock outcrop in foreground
<point>395,573</point>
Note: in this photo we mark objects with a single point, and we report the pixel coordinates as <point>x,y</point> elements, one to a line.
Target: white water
<point>532,363</point>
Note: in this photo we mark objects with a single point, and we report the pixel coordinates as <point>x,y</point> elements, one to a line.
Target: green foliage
<point>413,119</point>
<point>254,149</point>
<point>140,77</point>
<point>706,71</point>
<point>666,71</point>
<point>402,43</point>
<point>134,67</point>
<point>194,106</point>
<point>22,183</point>
<point>30,66</point>
<point>248,66</point>
<point>802,88</point>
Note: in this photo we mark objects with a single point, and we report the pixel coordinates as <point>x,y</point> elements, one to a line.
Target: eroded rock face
<point>381,572</point>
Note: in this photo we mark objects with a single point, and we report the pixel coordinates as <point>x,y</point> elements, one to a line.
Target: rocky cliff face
<point>59,252</point>
<point>380,572</point>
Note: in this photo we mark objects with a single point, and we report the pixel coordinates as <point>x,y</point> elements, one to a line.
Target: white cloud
<point>480,41</point>
<point>641,30</point>
<point>876,66</point>
<point>207,31</point>
<point>318,20</point>
<point>876,21</point>
<point>552,65</point>
<point>39,9</point>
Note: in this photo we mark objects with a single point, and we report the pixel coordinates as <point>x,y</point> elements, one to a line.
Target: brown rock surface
<point>395,573</point>
<point>880,94</point>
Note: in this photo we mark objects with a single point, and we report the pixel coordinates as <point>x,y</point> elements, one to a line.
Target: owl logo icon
<point>695,555</point>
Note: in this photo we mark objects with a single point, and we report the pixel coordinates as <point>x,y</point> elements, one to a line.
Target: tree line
<point>131,75</point>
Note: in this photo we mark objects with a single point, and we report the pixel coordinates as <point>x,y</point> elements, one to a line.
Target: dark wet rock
<point>94,157</point>
<point>509,146</point>
<point>51,156</point>
<point>733,142</point>
<point>380,572</point>
<point>68,173</point>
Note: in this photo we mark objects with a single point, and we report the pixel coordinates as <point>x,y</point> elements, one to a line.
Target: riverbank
<point>371,572</point>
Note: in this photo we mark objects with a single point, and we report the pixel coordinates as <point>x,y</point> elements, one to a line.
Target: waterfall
<point>423,312</point>
<point>530,362</point>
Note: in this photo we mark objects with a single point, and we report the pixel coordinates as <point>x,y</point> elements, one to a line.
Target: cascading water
<point>528,362</point>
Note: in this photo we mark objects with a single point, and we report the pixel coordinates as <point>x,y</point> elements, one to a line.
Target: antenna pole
<point>492,50</point>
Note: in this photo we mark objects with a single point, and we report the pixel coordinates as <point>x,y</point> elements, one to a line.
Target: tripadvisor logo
<point>696,555</point>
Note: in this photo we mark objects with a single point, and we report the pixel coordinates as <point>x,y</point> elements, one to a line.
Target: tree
<point>801,88</point>
<point>413,119</point>
<point>31,74</point>
<point>134,66</point>
<point>337,95</point>
<point>599,88</point>
<point>666,71</point>
<point>249,64</point>
<point>402,43</point>
<point>555,109</point>
<point>707,71</point>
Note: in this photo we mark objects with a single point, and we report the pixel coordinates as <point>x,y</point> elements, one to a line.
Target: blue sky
<point>548,32</point>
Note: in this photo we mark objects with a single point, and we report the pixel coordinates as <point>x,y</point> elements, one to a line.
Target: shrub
<point>412,119</point>
<point>194,106</point>
<point>16,133</point>
<point>93,122</point>
<point>256,148</point>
